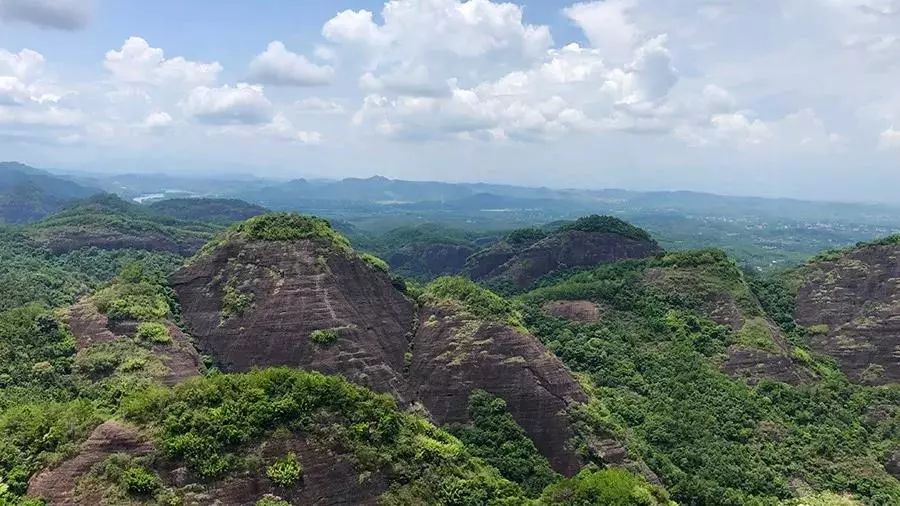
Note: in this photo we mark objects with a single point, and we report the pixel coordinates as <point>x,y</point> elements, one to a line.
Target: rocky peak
<point>849,301</point>
<point>523,258</point>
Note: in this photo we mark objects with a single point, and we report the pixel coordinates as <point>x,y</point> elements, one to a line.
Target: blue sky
<point>790,98</point>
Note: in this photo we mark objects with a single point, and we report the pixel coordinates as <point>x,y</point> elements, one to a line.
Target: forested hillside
<point>134,374</point>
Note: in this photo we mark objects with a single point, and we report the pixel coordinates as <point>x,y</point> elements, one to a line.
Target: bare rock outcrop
<point>851,304</point>
<point>57,485</point>
<point>454,355</point>
<point>503,265</point>
<point>291,289</point>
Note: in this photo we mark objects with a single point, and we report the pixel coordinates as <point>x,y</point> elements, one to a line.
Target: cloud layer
<point>611,85</point>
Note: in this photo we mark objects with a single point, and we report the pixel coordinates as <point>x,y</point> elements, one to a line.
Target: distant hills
<point>28,194</point>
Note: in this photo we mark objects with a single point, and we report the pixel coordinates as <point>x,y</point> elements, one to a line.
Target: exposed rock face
<point>435,357</point>
<point>90,328</point>
<point>329,477</point>
<point>724,297</point>
<point>851,302</point>
<point>561,250</point>
<point>454,355</point>
<point>430,260</point>
<point>892,465</point>
<point>576,310</point>
<point>57,485</point>
<point>297,288</point>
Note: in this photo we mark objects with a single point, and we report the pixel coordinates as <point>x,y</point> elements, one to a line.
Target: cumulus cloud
<point>138,63</point>
<point>243,104</point>
<point>281,128</point>
<point>55,14</point>
<point>420,45</point>
<point>279,66</point>
<point>607,26</point>
<point>157,122</point>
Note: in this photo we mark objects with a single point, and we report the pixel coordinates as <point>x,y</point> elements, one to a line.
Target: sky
<point>796,98</point>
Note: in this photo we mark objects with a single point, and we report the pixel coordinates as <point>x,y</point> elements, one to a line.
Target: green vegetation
<point>324,337</point>
<point>374,262</point>
<point>153,332</point>
<point>141,481</point>
<point>522,236</point>
<point>142,301</point>
<point>235,301</point>
<point>655,354</point>
<point>291,227</point>
<point>480,302</point>
<point>606,487</point>
<point>494,436</point>
<point>286,471</point>
<point>206,422</point>
<point>106,218</point>
<point>607,225</point>
<point>271,500</point>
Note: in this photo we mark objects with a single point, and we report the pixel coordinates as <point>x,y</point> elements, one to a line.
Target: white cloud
<point>322,105</point>
<point>281,128</point>
<point>58,14</point>
<point>889,139</point>
<point>278,66</point>
<point>24,65</point>
<point>157,122</point>
<point>242,104</point>
<point>420,45</point>
<point>607,26</point>
<point>138,63</point>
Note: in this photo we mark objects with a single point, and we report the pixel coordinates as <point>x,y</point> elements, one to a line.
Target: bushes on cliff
<point>493,435</point>
<point>480,302</point>
<point>607,225</point>
<point>291,227</point>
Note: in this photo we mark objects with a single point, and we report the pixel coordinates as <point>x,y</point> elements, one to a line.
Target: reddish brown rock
<point>298,287</point>
<point>57,485</point>
<point>851,302</point>
<point>561,250</point>
<point>454,355</point>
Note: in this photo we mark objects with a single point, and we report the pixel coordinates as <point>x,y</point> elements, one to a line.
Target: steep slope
<point>849,301</point>
<point>28,194</point>
<point>721,403</point>
<point>525,256</point>
<point>108,222</point>
<point>288,290</point>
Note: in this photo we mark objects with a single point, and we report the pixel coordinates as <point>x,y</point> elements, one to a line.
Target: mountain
<point>219,211</point>
<point>527,255</point>
<point>288,290</point>
<point>107,222</point>
<point>28,194</point>
<point>849,302</point>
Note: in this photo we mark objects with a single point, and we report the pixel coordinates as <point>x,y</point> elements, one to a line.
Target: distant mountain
<point>28,194</point>
<point>224,211</point>
<point>106,221</point>
<point>527,255</point>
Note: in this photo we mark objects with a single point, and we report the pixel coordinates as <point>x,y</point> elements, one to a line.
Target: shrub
<point>374,262</point>
<point>323,336</point>
<point>479,301</point>
<point>234,301</point>
<point>135,301</point>
<point>607,487</point>
<point>285,471</point>
<point>272,500</point>
<point>153,332</point>
<point>140,481</point>
<point>291,227</point>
